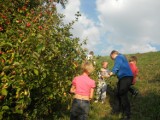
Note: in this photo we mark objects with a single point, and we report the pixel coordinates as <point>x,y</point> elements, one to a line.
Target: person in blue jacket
<point>124,74</point>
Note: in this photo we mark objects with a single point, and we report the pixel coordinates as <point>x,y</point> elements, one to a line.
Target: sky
<point>129,26</point>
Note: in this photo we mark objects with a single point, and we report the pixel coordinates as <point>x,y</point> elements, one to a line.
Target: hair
<point>133,58</point>
<point>104,62</point>
<point>87,67</point>
<point>114,52</point>
<point>91,53</point>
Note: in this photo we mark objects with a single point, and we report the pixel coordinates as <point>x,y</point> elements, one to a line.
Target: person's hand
<point>107,76</point>
<point>110,74</point>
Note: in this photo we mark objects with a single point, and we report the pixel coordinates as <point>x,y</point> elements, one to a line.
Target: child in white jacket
<point>102,86</point>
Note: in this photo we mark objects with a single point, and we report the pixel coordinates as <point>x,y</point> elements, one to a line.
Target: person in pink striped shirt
<point>83,89</point>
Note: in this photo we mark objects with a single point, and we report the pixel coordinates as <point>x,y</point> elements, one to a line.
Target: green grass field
<point>146,106</point>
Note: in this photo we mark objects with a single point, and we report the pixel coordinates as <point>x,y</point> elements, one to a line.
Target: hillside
<point>146,105</point>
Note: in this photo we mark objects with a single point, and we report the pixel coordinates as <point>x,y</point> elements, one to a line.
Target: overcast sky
<point>129,26</point>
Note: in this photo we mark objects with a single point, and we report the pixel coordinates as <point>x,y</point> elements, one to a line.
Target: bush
<point>39,58</point>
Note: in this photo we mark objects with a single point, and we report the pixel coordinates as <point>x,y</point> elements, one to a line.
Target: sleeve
<point>74,81</point>
<point>136,71</point>
<point>93,85</point>
<point>117,64</point>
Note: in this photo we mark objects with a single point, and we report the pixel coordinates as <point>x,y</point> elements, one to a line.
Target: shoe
<point>135,93</point>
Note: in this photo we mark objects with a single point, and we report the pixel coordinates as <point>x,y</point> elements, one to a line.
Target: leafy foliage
<point>39,58</point>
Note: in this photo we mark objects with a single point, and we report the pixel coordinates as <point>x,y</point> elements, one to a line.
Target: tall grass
<point>146,106</point>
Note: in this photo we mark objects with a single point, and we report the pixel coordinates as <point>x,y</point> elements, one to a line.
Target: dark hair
<point>114,51</point>
<point>91,53</point>
<point>133,58</point>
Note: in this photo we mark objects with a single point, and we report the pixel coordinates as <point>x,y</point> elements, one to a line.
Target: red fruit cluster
<point>1,52</point>
<point>40,27</point>
<point>28,24</point>
<point>1,28</point>
<point>4,17</point>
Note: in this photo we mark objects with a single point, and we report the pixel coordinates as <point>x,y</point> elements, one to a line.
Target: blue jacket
<point>121,67</point>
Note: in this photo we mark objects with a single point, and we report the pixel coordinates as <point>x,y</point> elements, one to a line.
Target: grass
<point>146,105</point>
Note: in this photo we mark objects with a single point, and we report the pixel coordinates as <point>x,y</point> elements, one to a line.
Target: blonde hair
<point>87,67</point>
<point>103,62</point>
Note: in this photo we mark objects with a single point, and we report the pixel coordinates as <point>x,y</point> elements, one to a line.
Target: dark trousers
<point>123,88</point>
<point>80,109</point>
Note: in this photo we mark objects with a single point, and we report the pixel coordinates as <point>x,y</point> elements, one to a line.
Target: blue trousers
<point>79,109</point>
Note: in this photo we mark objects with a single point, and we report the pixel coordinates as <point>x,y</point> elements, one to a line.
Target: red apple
<point>28,24</point>
<point>40,27</point>
<point>4,17</point>
<point>1,28</point>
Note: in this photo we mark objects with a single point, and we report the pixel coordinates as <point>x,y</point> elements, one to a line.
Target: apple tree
<point>38,59</point>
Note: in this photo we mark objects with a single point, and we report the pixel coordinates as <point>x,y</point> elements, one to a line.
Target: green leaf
<point>6,68</point>
<point>5,44</point>
<point>39,36</point>
<point>40,48</point>
<point>33,34</point>
<point>16,63</point>
<point>36,55</point>
<point>4,92</point>
<point>1,115</point>
<point>19,111</point>
<point>5,108</point>
<point>36,72</point>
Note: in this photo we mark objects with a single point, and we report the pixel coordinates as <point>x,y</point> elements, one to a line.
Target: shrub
<point>38,58</point>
